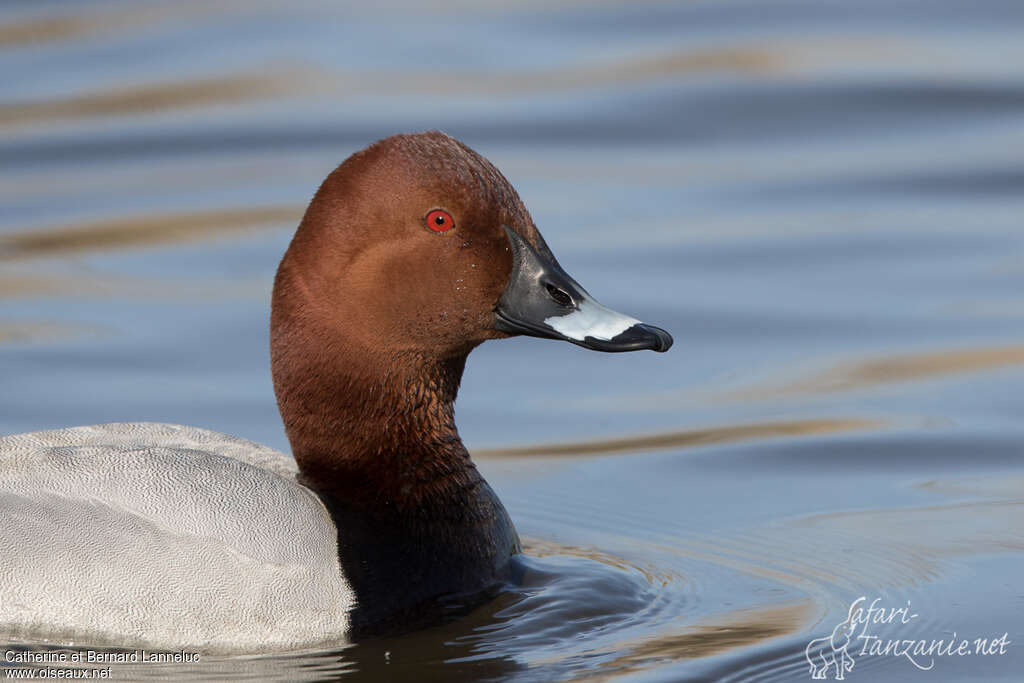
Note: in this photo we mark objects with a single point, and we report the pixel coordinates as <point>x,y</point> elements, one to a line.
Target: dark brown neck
<point>381,450</point>
<point>376,431</point>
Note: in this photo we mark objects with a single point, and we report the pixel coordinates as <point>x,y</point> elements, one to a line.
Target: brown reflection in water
<point>184,177</point>
<point>15,332</point>
<point>45,29</point>
<point>745,59</point>
<point>21,285</point>
<point>686,438</point>
<point>143,231</point>
<point>738,629</point>
<point>146,98</point>
<point>904,368</point>
<point>154,97</point>
<point>538,547</point>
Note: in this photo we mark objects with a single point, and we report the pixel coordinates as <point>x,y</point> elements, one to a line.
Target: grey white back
<point>163,536</point>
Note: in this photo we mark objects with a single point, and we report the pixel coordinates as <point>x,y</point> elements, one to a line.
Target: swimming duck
<point>414,251</point>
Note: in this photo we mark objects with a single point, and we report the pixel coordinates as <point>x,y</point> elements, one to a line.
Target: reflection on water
<point>781,185</point>
<point>160,97</point>
<point>32,31</point>
<point>25,31</point>
<point>142,231</point>
<point>683,439</point>
<point>740,629</point>
<point>902,368</point>
<point>13,331</point>
<point>143,99</point>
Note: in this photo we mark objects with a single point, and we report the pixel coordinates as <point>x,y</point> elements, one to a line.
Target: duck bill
<point>541,300</point>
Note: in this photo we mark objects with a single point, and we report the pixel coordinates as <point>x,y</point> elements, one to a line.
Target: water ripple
<point>122,233</point>
<point>685,439</point>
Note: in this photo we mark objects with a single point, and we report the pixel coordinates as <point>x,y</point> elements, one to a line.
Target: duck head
<point>413,251</point>
<point>419,244</point>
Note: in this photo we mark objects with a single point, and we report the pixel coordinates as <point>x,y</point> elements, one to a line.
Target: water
<point>822,201</point>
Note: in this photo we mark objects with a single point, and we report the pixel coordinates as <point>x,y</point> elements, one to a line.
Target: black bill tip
<point>639,337</point>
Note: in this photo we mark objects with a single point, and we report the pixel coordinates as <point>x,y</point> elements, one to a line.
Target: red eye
<point>440,220</point>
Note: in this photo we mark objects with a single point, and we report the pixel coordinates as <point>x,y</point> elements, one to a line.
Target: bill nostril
<point>560,296</point>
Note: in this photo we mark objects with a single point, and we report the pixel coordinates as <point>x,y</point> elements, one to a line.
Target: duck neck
<point>382,452</point>
<point>370,433</point>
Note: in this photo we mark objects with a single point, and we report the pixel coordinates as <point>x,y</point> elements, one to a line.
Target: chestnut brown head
<point>418,243</point>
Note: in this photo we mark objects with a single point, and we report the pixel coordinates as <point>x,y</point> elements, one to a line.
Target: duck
<point>414,251</point>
